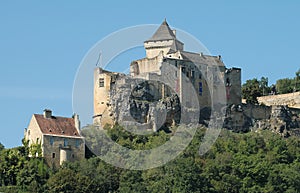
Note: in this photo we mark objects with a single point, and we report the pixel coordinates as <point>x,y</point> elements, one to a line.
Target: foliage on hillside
<point>252,162</point>
<point>288,85</point>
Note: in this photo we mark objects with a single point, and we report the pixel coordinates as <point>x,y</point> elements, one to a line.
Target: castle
<point>167,87</point>
<point>170,76</point>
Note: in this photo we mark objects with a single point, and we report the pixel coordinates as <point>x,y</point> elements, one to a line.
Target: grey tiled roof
<point>164,32</point>
<point>204,59</point>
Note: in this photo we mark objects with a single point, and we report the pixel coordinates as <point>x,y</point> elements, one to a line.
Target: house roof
<point>164,32</point>
<point>57,125</point>
<point>204,59</point>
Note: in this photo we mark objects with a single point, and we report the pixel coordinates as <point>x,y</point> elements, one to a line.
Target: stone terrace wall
<point>257,111</point>
<point>290,99</point>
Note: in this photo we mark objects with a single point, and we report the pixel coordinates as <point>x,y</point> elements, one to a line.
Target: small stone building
<point>59,137</point>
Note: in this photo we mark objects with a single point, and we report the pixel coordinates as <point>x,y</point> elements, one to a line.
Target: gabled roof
<point>204,59</point>
<point>57,126</point>
<point>164,32</point>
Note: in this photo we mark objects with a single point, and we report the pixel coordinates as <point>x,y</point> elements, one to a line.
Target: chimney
<point>47,113</point>
<point>174,32</point>
<point>77,122</point>
<point>201,54</point>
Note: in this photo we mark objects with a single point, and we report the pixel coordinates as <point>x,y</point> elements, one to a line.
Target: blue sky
<point>43,42</point>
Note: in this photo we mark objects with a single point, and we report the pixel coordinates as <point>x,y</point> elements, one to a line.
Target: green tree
<point>251,90</point>
<point>297,81</point>
<point>68,181</point>
<point>284,85</point>
<point>1,147</point>
<point>104,177</point>
<point>131,181</point>
<point>11,162</point>
<point>263,85</point>
<point>33,176</point>
<point>35,149</point>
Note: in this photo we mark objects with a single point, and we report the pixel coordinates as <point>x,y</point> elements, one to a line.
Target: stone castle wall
<point>291,100</point>
<point>257,112</point>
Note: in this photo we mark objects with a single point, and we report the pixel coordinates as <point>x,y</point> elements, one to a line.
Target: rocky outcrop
<point>140,104</point>
<point>236,119</point>
<point>282,121</point>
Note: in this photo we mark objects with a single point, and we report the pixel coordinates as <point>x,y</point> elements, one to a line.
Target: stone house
<point>59,137</point>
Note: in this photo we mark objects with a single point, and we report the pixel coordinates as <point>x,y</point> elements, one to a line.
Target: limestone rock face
<point>141,103</point>
<point>282,121</point>
<point>236,119</point>
<point>279,119</point>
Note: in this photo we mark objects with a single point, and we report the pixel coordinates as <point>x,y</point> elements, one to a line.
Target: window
<point>200,75</point>
<point>183,69</point>
<point>200,88</point>
<point>65,142</point>
<point>228,82</point>
<point>101,82</point>
<point>53,155</point>
<point>77,143</point>
<point>51,140</point>
<point>193,74</point>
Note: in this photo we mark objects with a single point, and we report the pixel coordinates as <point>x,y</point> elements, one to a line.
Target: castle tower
<point>164,39</point>
<point>102,86</point>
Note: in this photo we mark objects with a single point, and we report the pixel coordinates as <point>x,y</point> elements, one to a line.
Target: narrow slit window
<point>227,82</point>
<point>101,82</point>
<point>51,140</point>
<point>200,88</point>
<point>193,74</point>
<point>77,143</point>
